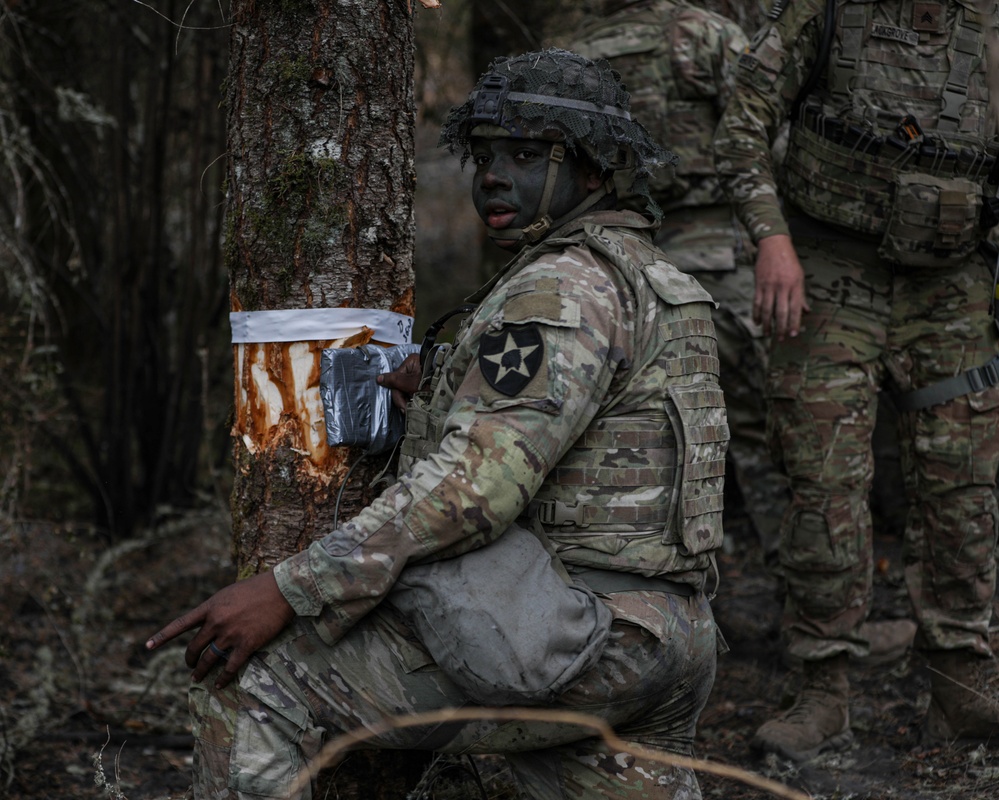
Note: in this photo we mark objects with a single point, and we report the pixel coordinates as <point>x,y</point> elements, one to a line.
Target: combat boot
<point>818,721</point>
<point>965,699</point>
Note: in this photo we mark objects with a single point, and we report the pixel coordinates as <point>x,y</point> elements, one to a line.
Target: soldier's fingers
<point>799,308</point>
<point>230,669</point>
<point>184,623</point>
<point>210,656</point>
<point>782,315</point>
<point>399,400</point>
<point>763,310</point>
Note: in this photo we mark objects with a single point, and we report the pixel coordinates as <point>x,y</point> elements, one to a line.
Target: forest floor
<point>85,712</point>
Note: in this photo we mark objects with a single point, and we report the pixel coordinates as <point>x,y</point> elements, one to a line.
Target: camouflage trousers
<point>742,352</point>
<point>254,737</point>
<point>871,327</point>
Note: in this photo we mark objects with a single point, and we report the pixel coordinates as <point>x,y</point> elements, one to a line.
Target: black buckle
<point>983,377</point>
<point>991,370</point>
<point>489,98</point>
<point>557,514</point>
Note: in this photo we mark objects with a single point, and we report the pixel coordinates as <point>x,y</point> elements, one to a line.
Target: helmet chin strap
<point>538,229</point>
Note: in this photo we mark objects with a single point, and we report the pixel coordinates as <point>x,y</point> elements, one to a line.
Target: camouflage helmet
<point>561,96</point>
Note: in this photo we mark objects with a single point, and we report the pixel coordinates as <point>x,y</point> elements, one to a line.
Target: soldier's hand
<point>404,381</point>
<point>780,300</point>
<point>234,623</point>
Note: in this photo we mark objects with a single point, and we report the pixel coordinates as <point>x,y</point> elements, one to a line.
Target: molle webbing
<point>858,190</point>
<point>633,453</point>
<point>685,365</point>
<point>683,490</point>
<point>847,74</point>
<point>423,431</point>
<point>967,52</point>
<point>883,156</point>
<point>852,26</point>
<point>702,436</point>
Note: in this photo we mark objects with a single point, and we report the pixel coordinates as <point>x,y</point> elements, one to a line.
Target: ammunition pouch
<point>934,222</point>
<point>924,203</point>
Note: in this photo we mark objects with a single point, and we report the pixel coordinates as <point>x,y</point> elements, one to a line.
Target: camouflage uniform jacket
<point>677,62</point>
<point>854,150</point>
<point>590,340</point>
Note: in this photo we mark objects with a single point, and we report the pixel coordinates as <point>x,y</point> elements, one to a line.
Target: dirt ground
<point>77,686</point>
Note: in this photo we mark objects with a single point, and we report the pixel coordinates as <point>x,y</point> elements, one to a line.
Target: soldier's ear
<point>594,179</point>
<point>595,176</point>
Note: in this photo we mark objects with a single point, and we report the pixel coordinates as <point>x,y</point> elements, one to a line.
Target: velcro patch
<point>929,17</point>
<point>510,358</point>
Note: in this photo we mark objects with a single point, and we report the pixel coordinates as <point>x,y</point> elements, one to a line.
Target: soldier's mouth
<point>499,215</point>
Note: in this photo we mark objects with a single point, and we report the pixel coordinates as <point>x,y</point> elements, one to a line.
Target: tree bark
<point>319,215</point>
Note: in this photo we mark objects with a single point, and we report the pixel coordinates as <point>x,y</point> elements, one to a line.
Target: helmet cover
<point>557,95</point>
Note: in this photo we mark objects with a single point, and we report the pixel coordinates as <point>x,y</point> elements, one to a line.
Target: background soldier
<point>579,401</point>
<point>676,60</point>
<point>889,184</point>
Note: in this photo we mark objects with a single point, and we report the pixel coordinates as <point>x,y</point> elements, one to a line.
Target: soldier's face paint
<point>510,180</point>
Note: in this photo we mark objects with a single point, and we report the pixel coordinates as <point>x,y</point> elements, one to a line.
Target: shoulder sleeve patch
<point>510,358</point>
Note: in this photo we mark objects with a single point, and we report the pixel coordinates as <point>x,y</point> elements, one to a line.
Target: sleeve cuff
<point>297,583</point>
<point>764,221</point>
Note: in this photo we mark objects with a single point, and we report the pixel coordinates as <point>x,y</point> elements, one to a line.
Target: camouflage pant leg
<point>253,740</point>
<point>823,387</point>
<point>950,452</point>
<point>581,770</point>
<point>922,327</point>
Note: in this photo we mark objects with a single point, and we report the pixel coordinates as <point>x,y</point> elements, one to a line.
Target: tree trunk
<point>319,215</point>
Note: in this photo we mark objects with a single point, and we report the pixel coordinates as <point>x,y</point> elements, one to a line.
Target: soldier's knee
<point>824,554</point>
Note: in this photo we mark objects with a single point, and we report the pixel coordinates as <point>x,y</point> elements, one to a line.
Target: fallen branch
<point>337,748</point>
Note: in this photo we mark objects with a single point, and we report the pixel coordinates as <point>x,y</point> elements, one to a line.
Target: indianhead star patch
<point>510,358</point>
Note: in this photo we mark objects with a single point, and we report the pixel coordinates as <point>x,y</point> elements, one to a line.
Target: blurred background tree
<point>114,297</point>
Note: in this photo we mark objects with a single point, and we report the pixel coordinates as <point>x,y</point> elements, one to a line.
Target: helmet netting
<point>561,74</point>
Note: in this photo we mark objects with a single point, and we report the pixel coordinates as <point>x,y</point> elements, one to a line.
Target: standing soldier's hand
<point>780,287</point>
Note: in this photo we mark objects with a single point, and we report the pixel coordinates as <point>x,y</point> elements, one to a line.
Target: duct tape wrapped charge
<point>358,411</point>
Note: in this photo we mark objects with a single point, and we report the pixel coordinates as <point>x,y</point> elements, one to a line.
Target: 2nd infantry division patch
<point>510,358</point>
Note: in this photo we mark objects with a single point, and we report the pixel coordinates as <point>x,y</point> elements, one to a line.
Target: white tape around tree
<point>311,324</point>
